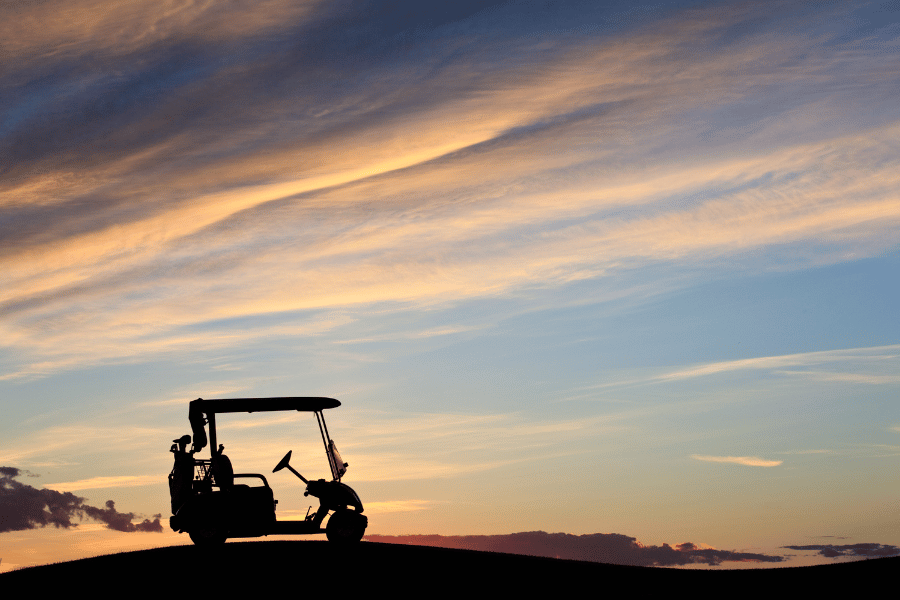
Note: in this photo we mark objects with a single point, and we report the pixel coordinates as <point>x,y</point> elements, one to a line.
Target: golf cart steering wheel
<point>283,462</point>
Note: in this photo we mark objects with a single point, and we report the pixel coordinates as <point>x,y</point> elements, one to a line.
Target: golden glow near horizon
<point>645,261</point>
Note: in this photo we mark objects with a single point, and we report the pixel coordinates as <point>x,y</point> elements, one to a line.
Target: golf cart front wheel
<point>346,527</point>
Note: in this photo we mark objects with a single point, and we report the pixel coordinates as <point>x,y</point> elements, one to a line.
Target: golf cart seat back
<point>223,472</point>
<point>256,503</point>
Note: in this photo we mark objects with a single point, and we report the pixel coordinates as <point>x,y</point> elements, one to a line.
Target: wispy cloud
<point>142,220</point>
<point>431,445</point>
<point>46,444</point>
<point>866,550</point>
<point>392,506</point>
<point>872,365</point>
<point>880,354</point>
<point>872,379</point>
<point>380,446</point>
<point>104,482</point>
<point>610,548</point>
<point>749,461</point>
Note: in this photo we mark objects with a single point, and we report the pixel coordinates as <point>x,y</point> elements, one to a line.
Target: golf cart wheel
<point>345,527</point>
<point>207,535</point>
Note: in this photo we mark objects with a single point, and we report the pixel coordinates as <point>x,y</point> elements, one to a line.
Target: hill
<point>260,566</point>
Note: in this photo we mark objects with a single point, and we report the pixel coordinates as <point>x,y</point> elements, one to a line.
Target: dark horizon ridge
<point>370,565</point>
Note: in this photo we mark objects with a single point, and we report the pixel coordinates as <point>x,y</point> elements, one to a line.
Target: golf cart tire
<point>207,536</point>
<point>345,527</point>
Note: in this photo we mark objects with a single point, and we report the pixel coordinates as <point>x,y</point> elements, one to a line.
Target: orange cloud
<point>750,461</point>
<point>582,161</point>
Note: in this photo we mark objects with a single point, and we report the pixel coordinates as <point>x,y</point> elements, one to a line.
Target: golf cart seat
<point>255,504</point>
<point>223,472</point>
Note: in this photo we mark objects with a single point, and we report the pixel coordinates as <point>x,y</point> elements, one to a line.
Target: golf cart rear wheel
<point>207,535</point>
<point>345,527</point>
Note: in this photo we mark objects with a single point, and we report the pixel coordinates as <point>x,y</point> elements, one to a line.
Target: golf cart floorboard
<point>294,527</point>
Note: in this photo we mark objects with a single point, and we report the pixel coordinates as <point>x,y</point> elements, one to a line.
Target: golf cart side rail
<point>265,482</point>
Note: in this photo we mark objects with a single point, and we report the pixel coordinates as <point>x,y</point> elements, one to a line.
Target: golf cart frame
<point>211,507</point>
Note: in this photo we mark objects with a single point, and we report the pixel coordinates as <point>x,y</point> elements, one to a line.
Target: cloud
<point>42,444</point>
<point>610,548</point>
<point>858,355</point>
<point>867,378</point>
<point>750,461</point>
<point>392,506</point>
<point>121,521</point>
<point>435,445</point>
<point>169,168</point>
<point>105,482</point>
<point>879,361</point>
<point>865,550</point>
<point>25,507</point>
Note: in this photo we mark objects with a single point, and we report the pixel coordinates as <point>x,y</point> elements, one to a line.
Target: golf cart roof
<point>229,405</point>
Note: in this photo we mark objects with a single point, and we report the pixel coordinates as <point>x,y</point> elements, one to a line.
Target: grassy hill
<point>267,566</point>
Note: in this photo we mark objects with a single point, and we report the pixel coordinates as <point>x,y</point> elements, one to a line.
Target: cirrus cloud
<point>215,172</point>
<point>750,461</point>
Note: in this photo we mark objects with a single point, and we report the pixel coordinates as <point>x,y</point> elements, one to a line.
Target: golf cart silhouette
<point>211,507</point>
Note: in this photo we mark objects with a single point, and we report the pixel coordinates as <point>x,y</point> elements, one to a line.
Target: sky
<point>574,267</point>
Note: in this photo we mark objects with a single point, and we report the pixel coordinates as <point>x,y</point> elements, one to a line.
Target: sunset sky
<point>581,267</point>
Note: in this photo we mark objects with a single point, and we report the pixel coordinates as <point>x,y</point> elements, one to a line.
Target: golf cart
<point>211,507</point>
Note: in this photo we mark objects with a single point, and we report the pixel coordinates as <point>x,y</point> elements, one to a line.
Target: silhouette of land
<point>266,566</point>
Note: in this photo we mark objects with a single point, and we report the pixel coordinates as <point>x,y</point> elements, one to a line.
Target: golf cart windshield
<point>338,466</point>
